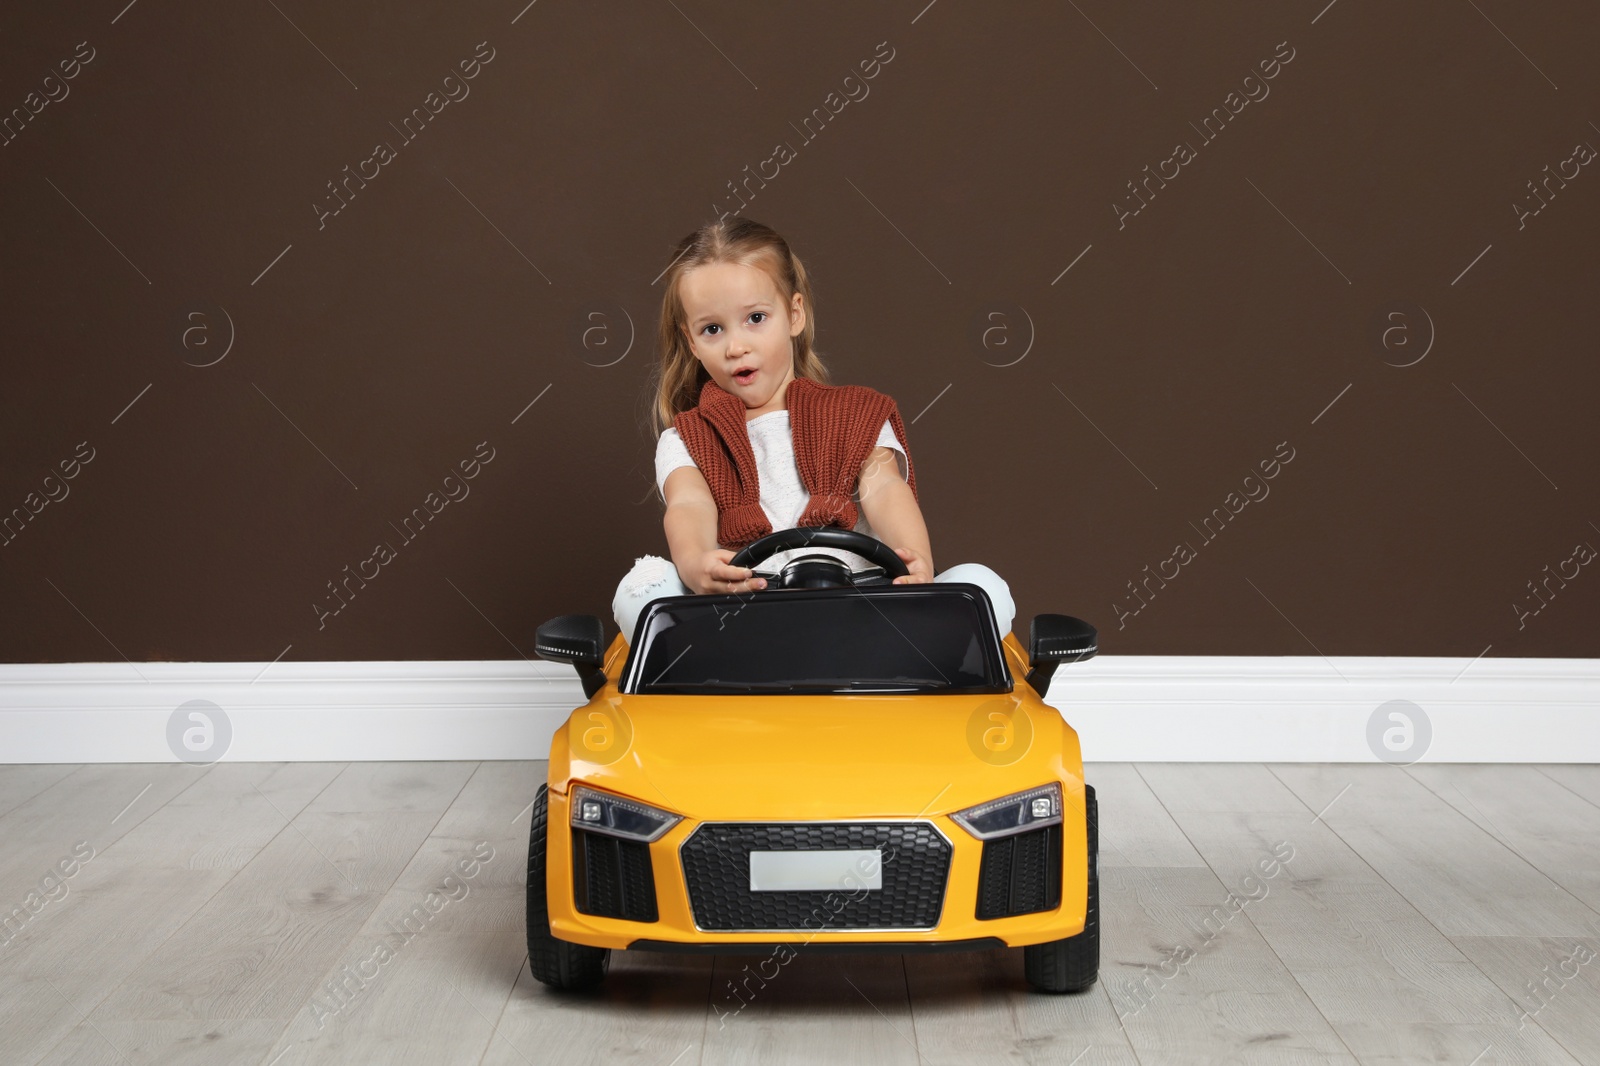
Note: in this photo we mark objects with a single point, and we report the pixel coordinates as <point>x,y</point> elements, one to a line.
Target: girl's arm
<point>892,511</point>
<point>691,527</point>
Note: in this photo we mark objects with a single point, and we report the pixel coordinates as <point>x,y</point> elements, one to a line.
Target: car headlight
<point>601,812</point>
<point>1016,813</point>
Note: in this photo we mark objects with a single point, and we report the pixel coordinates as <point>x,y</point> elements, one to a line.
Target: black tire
<point>1073,964</point>
<point>555,962</point>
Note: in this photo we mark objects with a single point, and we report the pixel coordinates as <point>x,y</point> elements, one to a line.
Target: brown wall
<point>167,203</point>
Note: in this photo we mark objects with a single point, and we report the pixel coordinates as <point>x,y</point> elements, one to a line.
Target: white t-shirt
<point>783,494</point>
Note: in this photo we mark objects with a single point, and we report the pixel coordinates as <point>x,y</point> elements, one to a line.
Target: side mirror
<point>1054,639</point>
<point>575,639</point>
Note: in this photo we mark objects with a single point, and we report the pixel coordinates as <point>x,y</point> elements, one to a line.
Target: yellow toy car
<point>833,763</point>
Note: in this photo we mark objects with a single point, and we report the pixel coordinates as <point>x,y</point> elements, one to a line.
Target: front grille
<point>612,878</point>
<point>1020,874</point>
<point>716,868</point>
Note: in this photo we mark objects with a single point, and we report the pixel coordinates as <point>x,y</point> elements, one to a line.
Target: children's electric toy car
<point>833,763</point>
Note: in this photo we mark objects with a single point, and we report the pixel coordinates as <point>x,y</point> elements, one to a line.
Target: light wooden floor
<point>1413,922</point>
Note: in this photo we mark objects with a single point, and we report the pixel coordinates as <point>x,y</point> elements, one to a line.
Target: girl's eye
<point>759,316</point>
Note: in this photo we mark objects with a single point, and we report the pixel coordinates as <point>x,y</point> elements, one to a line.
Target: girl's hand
<point>917,563</point>
<point>713,574</point>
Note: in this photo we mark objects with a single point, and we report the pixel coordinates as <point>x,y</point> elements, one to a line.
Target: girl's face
<point>742,331</point>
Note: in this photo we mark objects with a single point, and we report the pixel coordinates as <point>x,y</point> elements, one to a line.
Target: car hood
<point>807,757</point>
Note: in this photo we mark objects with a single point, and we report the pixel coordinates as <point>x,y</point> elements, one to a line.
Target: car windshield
<point>885,638</point>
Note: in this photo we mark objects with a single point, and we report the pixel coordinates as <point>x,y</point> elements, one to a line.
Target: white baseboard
<point>1126,708</point>
<point>1170,708</point>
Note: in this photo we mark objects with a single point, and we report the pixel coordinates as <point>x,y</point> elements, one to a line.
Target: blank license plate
<point>789,871</point>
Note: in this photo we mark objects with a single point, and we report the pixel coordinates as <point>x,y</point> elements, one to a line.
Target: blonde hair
<point>745,242</point>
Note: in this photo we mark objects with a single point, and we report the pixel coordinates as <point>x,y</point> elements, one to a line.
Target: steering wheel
<point>819,571</point>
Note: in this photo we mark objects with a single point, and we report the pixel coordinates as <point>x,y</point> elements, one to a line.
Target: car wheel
<point>555,962</point>
<point>1071,965</point>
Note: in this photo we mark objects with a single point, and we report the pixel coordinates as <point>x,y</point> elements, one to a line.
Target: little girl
<point>736,361</point>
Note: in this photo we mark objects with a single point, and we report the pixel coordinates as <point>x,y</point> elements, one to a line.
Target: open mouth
<point>745,375</point>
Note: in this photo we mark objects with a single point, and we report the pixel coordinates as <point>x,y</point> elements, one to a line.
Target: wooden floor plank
<point>1135,829</point>
<point>1554,982</point>
<point>117,919</point>
<point>1583,779</point>
<point>815,1008</point>
<point>19,784</point>
<point>228,816</point>
<point>93,806</point>
<point>258,948</point>
<point>651,1010</point>
<point>287,786</point>
<point>1546,824</point>
<point>1415,1043</point>
<point>1456,874</point>
<point>976,1007</point>
<point>128,899</point>
<point>1392,986</point>
<point>1186,996</point>
<point>1215,787</point>
<point>1361,951</point>
<point>395,787</point>
<point>169,1043</point>
<point>420,980</point>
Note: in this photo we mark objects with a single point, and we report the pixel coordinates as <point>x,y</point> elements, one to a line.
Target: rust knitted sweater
<point>833,428</point>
